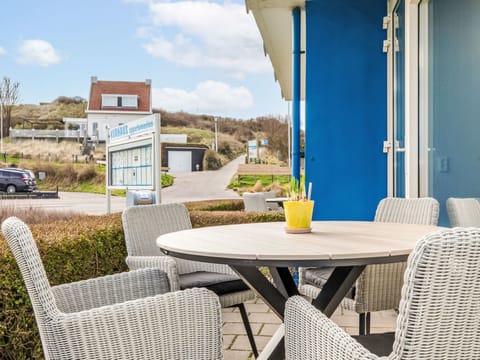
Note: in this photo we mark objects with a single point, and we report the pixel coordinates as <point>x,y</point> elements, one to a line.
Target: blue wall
<point>345,110</point>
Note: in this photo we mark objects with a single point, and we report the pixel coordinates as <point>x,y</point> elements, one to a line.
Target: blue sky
<point>202,56</point>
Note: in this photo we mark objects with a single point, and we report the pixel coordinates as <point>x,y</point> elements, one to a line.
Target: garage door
<point>180,161</point>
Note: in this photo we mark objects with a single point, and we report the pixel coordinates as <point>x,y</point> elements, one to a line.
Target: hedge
<point>81,248</point>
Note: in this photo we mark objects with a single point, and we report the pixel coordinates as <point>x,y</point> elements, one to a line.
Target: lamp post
<point>216,134</point>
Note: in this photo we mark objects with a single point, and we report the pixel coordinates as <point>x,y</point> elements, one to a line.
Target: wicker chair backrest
<point>463,212</point>
<point>422,211</point>
<point>143,224</point>
<point>25,251</point>
<point>440,305</point>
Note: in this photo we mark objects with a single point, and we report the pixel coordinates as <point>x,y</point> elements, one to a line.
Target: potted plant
<point>298,208</point>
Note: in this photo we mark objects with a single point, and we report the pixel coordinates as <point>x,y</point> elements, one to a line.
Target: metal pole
<point>216,135</point>
<point>107,171</point>
<point>296,74</point>
<point>289,124</point>
<point>157,156</point>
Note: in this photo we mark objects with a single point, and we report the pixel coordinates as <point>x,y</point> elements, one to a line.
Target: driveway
<point>201,185</point>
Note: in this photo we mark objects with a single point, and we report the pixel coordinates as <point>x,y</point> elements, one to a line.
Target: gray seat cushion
<point>220,284</point>
<point>319,276</point>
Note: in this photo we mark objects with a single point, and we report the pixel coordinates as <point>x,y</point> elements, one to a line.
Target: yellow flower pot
<point>298,215</point>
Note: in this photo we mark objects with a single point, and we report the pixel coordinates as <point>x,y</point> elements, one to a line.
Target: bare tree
<point>9,96</point>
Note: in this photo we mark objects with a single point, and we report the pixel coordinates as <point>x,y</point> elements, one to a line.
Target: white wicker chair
<point>143,224</point>
<point>120,316</point>
<point>379,286</point>
<point>463,212</point>
<point>438,315</point>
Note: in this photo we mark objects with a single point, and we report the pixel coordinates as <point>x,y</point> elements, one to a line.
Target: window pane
<point>449,115</point>
<point>109,100</point>
<point>129,101</point>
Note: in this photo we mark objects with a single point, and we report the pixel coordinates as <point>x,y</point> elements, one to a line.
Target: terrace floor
<point>264,324</point>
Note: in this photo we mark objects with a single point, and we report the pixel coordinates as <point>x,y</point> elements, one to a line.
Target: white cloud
<point>37,52</point>
<point>206,34</point>
<point>2,51</point>
<point>211,97</point>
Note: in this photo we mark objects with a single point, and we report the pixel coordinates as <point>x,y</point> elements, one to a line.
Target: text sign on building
<point>133,154</point>
<point>143,126</point>
<point>252,149</point>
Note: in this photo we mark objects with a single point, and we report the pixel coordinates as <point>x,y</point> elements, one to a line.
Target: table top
<point>266,243</point>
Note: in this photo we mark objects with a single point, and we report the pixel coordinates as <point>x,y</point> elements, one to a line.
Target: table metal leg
<point>336,287</point>
<point>284,281</point>
<point>276,295</point>
<point>274,298</point>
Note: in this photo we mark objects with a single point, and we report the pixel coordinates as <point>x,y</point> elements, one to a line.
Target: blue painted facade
<point>345,107</point>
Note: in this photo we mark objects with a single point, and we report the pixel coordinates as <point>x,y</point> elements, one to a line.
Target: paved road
<point>202,185</point>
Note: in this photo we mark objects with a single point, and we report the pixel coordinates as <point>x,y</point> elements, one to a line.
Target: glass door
<point>449,83</point>
<point>398,82</point>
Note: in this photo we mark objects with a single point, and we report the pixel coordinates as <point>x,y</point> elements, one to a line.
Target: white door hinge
<point>387,145</point>
<point>386,22</point>
<point>386,45</point>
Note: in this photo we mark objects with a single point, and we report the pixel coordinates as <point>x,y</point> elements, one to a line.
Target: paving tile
<point>239,329</point>
<point>258,307</point>
<point>228,341</point>
<point>229,309</point>
<point>232,317</point>
<point>236,355</point>
<point>269,317</point>
<point>269,329</point>
<point>241,342</point>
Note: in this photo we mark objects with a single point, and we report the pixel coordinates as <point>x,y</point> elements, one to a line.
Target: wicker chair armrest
<point>164,263</point>
<point>111,289</point>
<point>179,325</point>
<point>310,335</point>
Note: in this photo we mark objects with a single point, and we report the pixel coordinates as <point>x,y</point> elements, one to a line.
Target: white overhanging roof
<point>274,20</point>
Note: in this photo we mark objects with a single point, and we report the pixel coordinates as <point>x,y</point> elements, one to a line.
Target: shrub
<point>81,248</point>
<point>215,205</point>
<point>212,218</point>
<point>86,174</point>
<point>212,160</point>
<point>258,187</point>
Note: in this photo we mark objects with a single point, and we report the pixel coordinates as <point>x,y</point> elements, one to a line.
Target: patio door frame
<point>411,111</point>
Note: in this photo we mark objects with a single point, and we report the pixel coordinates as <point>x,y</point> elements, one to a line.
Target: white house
<point>113,103</point>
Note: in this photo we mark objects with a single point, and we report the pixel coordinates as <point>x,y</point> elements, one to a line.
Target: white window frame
<point>109,100</point>
<point>411,100</point>
<point>423,93</point>
<point>128,101</point>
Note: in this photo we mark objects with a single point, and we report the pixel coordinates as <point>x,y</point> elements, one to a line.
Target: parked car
<point>12,181</point>
<point>30,174</point>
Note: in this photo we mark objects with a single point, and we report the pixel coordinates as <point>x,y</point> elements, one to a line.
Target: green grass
<point>248,181</point>
<point>90,187</point>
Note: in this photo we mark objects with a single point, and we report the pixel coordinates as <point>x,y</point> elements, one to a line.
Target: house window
<point>109,101</point>
<point>129,101</point>
<point>119,101</point>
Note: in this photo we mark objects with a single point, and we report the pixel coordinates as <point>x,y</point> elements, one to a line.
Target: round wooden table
<point>346,245</point>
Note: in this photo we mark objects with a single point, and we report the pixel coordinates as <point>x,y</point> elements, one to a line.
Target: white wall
<point>110,120</point>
